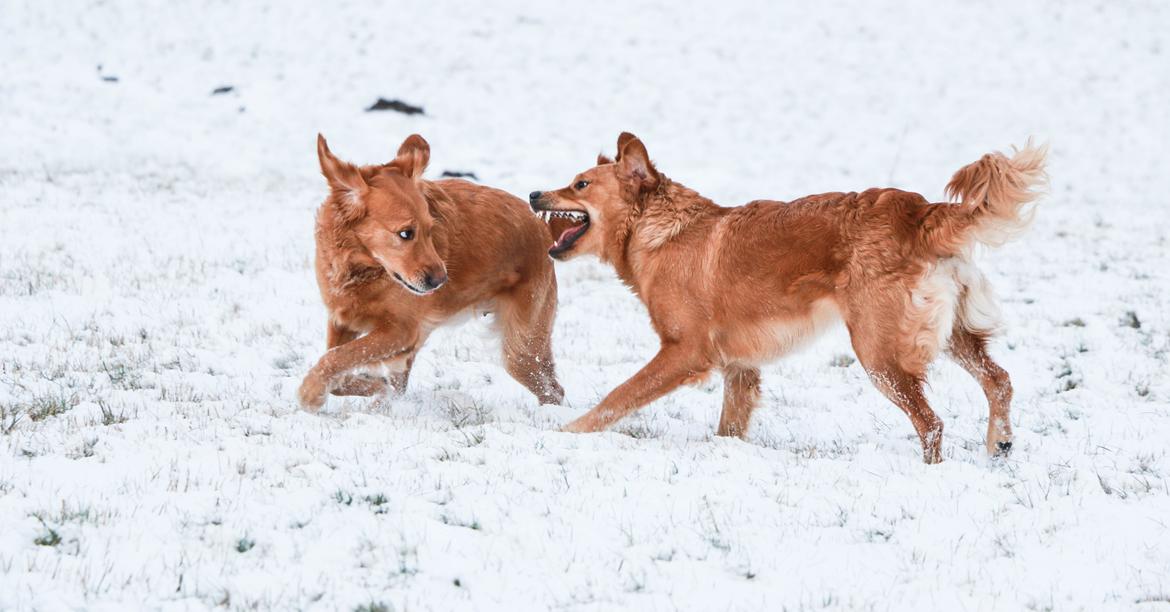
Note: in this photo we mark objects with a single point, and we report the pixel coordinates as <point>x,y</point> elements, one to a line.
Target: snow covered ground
<point>158,309</point>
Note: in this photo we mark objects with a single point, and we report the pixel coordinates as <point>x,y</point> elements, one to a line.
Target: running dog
<point>398,256</point>
<point>734,288</point>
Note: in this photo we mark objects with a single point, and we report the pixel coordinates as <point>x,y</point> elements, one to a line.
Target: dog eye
<point>581,185</point>
<point>406,234</point>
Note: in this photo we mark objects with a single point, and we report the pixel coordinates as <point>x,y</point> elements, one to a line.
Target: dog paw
<point>578,426</point>
<point>932,455</point>
<point>363,385</point>
<point>312,393</point>
<point>1003,448</point>
<point>552,397</point>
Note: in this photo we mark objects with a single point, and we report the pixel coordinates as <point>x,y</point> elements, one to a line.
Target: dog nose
<point>434,280</point>
<point>534,196</point>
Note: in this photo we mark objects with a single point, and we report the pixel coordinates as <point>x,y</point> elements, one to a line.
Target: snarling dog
<point>733,288</point>
<point>398,256</point>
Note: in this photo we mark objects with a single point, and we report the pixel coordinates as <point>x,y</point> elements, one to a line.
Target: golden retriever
<point>398,256</point>
<point>734,288</point>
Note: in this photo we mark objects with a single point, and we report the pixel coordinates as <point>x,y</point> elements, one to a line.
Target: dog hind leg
<point>969,350</point>
<point>905,390</point>
<point>741,395</point>
<point>895,341</point>
<point>526,319</point>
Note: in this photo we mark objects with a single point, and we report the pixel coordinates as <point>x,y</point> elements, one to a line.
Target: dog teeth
<point>548,215</point>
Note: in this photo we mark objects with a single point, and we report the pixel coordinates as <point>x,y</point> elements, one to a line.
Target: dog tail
<point>996,190</point>
<point>993,197</point>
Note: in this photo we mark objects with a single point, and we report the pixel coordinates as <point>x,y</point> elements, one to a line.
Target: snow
<point>158,309</point>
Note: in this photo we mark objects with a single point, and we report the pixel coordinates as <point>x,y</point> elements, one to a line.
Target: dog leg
<point>741,394</point>
<point>400,373</point>
<point>895,340</point>
<point>674,365</point>
<point>969,350</point>
<point>900,386</point>
<point>379,345</point>
<point>359,384</point>
<point>337,334</point>
<point>905,390</point>
<point>526,318</point>
<point>362,384</point>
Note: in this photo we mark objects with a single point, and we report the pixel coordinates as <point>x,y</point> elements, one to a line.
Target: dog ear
<point>603,160</point>
<point>634,163</point>
<point>623,139</point>
<point>413,156</point>
<point>343,177</point>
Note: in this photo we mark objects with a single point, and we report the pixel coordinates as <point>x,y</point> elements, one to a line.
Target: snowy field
<point>158,310</point>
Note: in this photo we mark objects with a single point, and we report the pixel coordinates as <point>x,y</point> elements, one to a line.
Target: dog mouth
<point>410,287</point>
<point>567,225</point>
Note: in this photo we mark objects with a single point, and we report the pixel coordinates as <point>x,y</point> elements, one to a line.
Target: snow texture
<point>158,309</point>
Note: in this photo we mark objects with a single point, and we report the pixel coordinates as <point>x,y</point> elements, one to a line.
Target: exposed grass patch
<point>85,449</point>
<point>466,413</point>
<point>111,416</point>
<point>29,278</point>
<point>473,437</point>
<point>288,361</point>
<point>835,449</point>
<point>10,417</point>
<point>50,537</point>
<point>39,408</point>
<point>641,429</point>
<point>180,393</point>
<point>122,377</point>
<point>1066,378</point>
<point>455,521</point>
<point>841,360</point>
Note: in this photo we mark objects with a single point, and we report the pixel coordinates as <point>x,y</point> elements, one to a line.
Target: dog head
<point>598,202</point>
<point>387,213</point>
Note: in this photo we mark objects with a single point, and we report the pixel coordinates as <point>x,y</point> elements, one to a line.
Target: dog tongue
<point>557,226</point>
<point>565,234</point>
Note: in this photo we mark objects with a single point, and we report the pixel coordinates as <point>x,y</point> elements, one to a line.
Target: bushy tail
<point>994,194</point>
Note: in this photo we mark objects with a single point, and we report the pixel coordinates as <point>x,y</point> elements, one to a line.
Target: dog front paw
<point>363,385</point>
<point>581,425</point>
<point>312,393</point>
<point>553,395</point>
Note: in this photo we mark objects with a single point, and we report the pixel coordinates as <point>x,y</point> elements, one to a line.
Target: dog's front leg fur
<point>381,344</point>
<point>674,365</point>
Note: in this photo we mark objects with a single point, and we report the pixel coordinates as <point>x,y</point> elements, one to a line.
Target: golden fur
<point>398,256</point>
<point>732,288</point>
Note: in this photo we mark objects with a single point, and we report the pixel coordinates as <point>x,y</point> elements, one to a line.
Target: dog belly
<point>763,341</point>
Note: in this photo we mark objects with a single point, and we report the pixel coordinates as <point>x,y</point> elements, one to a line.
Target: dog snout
<point>534,198</point>
<point>433,279</point>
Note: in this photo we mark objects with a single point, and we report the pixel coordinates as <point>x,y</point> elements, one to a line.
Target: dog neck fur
<point>655,218</point>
